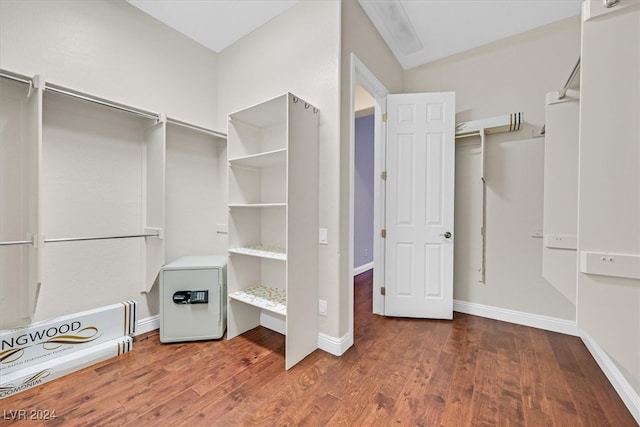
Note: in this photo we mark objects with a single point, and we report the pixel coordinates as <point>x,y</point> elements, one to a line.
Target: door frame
<point>361,75</point>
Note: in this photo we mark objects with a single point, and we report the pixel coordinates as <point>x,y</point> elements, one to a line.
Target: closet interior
<point>96,197</point>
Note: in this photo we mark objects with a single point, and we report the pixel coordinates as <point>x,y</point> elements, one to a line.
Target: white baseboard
<point>333,345</point>
<point>361,269</point>
<point>628,395</point>
<point>554,324</point>
<point>147,325</point>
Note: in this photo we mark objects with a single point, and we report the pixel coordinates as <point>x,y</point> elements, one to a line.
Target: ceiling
<point>417,31</point>
<point>215,24</point>
<point>420,31</point>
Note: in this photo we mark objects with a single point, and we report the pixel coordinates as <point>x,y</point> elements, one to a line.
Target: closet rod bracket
<point>154,232</point>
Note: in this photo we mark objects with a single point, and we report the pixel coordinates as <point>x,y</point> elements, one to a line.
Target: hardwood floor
<point>470,371</point>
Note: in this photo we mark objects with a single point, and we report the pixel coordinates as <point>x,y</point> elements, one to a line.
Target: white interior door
<point>420,164</point>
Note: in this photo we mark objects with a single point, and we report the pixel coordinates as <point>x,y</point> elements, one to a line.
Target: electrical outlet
<point>366,253</point>
<point>322,307</point>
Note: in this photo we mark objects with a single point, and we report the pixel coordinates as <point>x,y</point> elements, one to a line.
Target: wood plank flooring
<point>470,371</point>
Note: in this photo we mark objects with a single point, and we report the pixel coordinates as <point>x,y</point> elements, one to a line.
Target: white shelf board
<point>257,205</point>
<point>264,114</point>
<point>264,297</point>
<point>261,160</point>
<point>260,252</point>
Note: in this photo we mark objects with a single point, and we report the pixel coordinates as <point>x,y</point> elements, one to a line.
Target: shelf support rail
<point>482,270</point>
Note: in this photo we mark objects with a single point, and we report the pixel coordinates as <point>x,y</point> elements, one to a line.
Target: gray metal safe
<point>193,299</point>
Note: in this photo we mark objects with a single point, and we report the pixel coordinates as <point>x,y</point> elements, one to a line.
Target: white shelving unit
<point>273,222</point>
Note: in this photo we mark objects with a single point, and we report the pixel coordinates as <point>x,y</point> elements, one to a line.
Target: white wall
<point>297,52</point>
<point>112,50</point>
<point>93,169</point>
<point>195,194</point>
<point>511,75</point>
<point>609,183</point>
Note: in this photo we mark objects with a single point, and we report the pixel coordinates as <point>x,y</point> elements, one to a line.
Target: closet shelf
<point>257,205</point>
<point>261,160</point>
<point>262,251</point>
<point>264,297</point>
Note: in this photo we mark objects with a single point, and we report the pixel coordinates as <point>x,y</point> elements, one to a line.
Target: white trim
<point>333,345</point>
<point>361,75</point>
<point>628,395</point>
<point>147,324</point>
<point>361,269</point>
<point>539,321</point>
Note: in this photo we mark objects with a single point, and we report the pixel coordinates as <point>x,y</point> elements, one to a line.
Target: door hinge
<point>383,233</point>
<point>384,117</point>
<point>383,175</point>
<point>383,290</point>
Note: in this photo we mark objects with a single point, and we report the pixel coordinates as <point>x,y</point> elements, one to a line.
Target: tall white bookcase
<point>273,222</point>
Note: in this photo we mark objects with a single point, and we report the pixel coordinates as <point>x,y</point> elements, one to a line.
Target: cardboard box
<point>39,342</point>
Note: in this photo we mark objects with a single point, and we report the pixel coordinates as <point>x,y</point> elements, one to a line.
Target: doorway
<point>421,169</point>
<point>370,89</point>
<point>363,192</point>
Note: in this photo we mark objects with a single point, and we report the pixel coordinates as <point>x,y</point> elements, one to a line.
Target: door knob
<point>447,235</point>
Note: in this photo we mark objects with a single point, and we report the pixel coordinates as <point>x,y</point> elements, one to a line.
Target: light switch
<point>322,307</point>
<point>323,236</point>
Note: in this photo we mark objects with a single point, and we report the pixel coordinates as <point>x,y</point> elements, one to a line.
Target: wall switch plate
<point>322,307</point>
<point>323,236</point>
